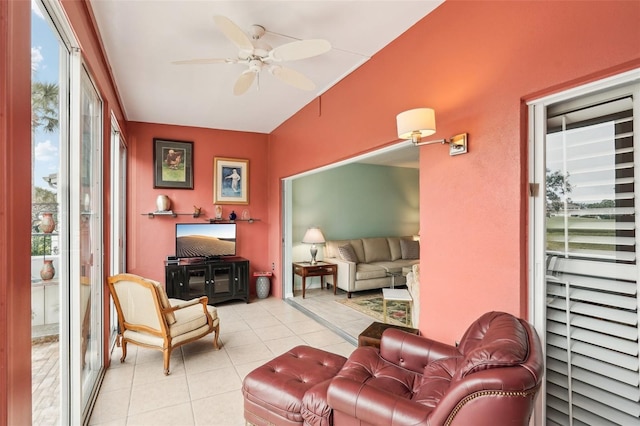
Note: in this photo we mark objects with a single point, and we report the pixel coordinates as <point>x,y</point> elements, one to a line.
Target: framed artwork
<point>230,181</point>
<point>172,164</point>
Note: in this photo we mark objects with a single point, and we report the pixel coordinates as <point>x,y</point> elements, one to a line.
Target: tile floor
<point>204,387</point>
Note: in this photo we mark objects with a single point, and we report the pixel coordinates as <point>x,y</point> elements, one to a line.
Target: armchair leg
<point>216,332</point>
<point>124,350</point>
<point>166,354</point>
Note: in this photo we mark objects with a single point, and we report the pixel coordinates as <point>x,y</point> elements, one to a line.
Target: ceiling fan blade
<point>293,77</point>
<point>244,82</point>
<point>300,49</point>
<point>206,61</point>
<point>233,32</point>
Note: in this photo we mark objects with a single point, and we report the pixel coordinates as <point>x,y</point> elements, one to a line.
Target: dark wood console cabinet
<point>220,280</point>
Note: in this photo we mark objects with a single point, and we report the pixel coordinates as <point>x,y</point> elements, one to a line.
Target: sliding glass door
<point>586,259</point>
<point>67,174</point>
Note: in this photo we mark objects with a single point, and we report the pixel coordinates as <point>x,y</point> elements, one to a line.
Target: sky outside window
<point>44,68</point>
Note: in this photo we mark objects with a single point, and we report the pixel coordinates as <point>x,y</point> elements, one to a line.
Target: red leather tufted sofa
<point>491,378</point>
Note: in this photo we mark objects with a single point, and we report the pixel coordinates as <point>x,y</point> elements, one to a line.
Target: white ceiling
<point>143,37</point>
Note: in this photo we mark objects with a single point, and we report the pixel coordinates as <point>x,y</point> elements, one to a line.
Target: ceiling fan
<point>258,56</point>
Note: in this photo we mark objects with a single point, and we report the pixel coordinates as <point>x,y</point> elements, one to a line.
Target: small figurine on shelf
<point>197,211</point>
<point>218,212</point>
<point>233,215</point>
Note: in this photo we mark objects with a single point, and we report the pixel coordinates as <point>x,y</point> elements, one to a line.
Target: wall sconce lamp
<point>313,236</point>
<point>418,123</point>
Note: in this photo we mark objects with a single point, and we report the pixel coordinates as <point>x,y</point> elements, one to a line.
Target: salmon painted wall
<point>15,226</point>
<point>150,241</point>
<point>475,63</point>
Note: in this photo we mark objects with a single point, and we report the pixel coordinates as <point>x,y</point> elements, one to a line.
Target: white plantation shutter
<point>592,345</point>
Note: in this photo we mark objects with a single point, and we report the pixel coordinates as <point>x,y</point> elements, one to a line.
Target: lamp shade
<point>413,121</point>
<point>313,236</point>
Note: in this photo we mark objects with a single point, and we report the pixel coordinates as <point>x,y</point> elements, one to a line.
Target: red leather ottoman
<point>274,392</point>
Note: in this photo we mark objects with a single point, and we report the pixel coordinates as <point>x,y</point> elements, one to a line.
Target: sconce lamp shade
<point>416,123</point>
<point>313,236</point>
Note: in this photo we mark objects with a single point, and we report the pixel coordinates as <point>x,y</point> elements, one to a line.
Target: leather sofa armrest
<point>374,406</point>
<point>413,352</point>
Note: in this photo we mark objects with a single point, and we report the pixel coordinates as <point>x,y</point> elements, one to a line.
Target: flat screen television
<point>205,240</point>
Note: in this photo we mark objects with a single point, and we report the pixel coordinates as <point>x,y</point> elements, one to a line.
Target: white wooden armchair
<point>147,317</point>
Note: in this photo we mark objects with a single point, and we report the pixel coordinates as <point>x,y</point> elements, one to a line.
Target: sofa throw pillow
<point>410,249</point>
<point>348,253</point>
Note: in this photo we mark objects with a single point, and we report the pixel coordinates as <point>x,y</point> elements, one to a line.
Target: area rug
<point>371,305</point>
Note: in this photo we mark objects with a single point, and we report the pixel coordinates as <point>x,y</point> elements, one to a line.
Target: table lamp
<point>313,236</point>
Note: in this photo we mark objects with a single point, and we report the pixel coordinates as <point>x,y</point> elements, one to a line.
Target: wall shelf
<point>250,220</point>
<point>151,215</point>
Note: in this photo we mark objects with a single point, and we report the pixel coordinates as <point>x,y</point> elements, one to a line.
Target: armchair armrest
<point>411,351</point>
<point>373,406</point>
<point>202,299</point>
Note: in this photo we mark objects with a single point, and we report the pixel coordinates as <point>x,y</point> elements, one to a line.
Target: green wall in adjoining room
<point>356,200</point>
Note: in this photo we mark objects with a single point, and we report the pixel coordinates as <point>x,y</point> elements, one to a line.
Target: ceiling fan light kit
<point>258,55</point>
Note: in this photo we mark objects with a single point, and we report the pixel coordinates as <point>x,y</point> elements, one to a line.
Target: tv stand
<point>220,279</point>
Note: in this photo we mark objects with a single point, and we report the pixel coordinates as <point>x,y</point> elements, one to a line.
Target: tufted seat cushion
<point>274,392</point>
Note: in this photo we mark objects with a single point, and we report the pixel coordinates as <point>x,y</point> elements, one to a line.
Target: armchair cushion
<point>188,319</point>
<point>164,302</point>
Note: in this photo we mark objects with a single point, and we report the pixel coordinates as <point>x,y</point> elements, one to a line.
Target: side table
<point>397,295</point>
<point>263,284</point>
<point>320,269</point>
<point>371,335</point>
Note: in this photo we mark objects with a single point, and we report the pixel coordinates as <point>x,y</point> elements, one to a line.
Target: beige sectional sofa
<point>367,263</point>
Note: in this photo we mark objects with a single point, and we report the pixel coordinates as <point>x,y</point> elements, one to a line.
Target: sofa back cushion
<point>495,340</point>
<point>394,248</point>
<point>376,250</point>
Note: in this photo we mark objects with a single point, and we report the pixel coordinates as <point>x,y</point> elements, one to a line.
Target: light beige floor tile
<point>306,326</point>
<point>118,378</point>
<point>280,346</point>
<point>206,361</point>
<point>150,372</point>
<point>249,353</point>
<point>240,338</point>
<point>111,406</point>
<point>220,410</point>
<point>262,321</point>
<point>321,338</point>
<point>233,326</point>
<point>181,414</point>
<point>204,344</point>
<point>153,396</point>
<point>273,332</point>
<point>209,383</point>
